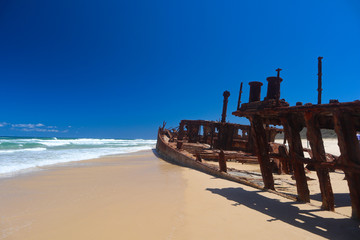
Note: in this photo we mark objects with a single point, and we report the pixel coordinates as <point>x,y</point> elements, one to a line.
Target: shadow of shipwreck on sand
<point>340,199</point>
<point>286,211</point>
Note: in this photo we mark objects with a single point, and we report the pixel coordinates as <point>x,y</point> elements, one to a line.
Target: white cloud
<point>3,124</point>
<point>38,130</point>
<point>24,125</point>
<point>34,127</point>
<point>30,127</point>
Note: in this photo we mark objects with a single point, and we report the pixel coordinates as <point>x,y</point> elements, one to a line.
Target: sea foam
<point>25,153</point>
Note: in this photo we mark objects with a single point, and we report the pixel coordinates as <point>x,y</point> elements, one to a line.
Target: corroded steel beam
<point>317,147</point>
<point>292,129</point>
<point>350,155</point>
<point>262,151</point>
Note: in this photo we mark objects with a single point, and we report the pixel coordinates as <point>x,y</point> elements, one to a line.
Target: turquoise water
<point>17,153</point>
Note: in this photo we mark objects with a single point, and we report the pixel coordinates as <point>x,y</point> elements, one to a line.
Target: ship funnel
<point>255,91</point>
<point>273,90</point>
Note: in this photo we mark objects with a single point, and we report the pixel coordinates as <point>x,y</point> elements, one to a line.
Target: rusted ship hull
<point>196,142</point>
<point>181,157</point>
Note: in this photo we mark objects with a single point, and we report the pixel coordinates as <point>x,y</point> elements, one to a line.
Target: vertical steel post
<point>226,95</point>
<point>240,92</point>
<point>222,161</point>
<point>319,79</point>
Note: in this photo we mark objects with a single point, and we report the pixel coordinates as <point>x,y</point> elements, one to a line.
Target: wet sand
<point>139,196</point>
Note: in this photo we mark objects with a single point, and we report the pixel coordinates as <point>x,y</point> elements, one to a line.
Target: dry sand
<point>139,196</point>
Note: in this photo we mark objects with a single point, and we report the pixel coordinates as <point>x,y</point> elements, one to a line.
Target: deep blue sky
<point>120,68</point>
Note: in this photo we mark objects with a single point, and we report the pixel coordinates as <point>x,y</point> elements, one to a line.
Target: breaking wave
<point>23,153</point>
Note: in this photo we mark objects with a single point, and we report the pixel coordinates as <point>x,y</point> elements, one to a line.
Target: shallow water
<point>24,153</point>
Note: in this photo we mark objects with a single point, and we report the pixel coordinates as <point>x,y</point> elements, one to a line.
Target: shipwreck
<point>197,143</point>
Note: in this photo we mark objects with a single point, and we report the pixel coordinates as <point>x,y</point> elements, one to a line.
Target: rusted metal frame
<point>198,156</point>
<point>284,140</point>
<point>230,137</point>
<point>286,166</point>
<point>236,133</point>
<point>322,108</point>
<point>279,153</point>
<point>228,155</point>
<point>329,165</point>
<point>193,132</point>
<point>204,133</point>
<point>292,129</point>
<point>196,132</point>
<point>262,150</point>
<point>350,154</point>
<point>222,137</point>
<point>179,143</point>
<point>212,137</point>
<point>271,133</point>
<point>181,131</point>
<point>327,155</point>
<point>203,137</point>
<point>250,145</point>
<point>317,146</point>
<point>240,158</point>
<point>213,123</point>
<point>243,134</point>
<point>279,161</point>
<point>188,127</point>
<point>226,136</point>
<point>275,155</point>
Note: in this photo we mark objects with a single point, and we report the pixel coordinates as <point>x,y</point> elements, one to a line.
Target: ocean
<point>19,153</point>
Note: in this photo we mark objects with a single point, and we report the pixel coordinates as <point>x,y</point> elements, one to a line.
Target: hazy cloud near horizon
<point>31,127</point>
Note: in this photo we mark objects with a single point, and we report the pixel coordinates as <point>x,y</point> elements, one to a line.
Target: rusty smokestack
<point>319,79</point>
<point>255,91</point>
<point>226,95</point>
<point>273,90</point>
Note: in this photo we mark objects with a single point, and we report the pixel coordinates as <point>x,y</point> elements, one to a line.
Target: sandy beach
<point>155,120</point>
<point>139,196</point>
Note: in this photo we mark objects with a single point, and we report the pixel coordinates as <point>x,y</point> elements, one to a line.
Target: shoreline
<point>19,173</point>
<point>44,167</point>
